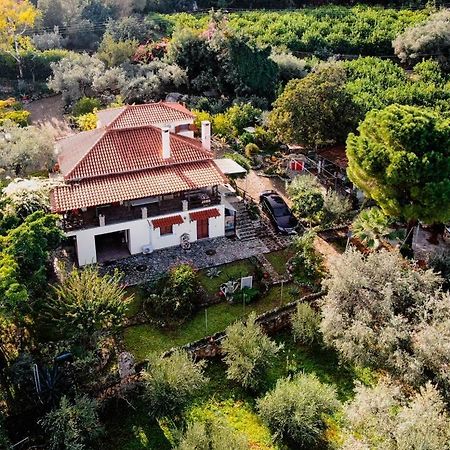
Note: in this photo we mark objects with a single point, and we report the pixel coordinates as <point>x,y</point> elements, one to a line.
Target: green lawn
<point>133,430</point>
<point>143,339</point>
<point>135,305</point>
<point>279,259</point>
<point>233,270</point>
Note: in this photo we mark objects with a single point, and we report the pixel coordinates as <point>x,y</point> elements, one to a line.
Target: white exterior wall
<point>141,232</point>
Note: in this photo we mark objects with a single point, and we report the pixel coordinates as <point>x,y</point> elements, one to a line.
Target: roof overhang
<point>229,167</point>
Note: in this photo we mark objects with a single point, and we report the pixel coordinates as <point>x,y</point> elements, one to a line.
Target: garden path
<point>48,113</point>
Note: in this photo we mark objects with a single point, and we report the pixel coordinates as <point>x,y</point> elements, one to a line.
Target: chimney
<point>165,142</point>
<point>206,134</point>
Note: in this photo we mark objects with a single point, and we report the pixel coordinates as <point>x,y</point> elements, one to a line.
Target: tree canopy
<point>315,110</point>
<point>401,159</point>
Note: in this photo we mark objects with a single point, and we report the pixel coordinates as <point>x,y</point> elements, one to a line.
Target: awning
<point>167,221</point>
<point>204,214</point>
<point>229,167</point>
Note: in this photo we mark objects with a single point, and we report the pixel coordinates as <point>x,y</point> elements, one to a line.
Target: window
<point>166,230</point>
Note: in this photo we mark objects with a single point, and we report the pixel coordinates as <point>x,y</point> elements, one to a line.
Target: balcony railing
<point>109,215</point>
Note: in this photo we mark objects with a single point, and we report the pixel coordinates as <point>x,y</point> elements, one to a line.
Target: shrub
<point>307,198</point>
<point>86,303</point>
<point>86,122</point>
<point>251,150</point>
<point>171,382</point>
<point>305,324</point>
<point>248,352</point>
<point>295,410</point>
<point>440,263</point>
<point>85,105</point>
<point>307,263</point>
<point>174,295</point>
<point>212,435</point>
<point>335,208</point>
<point>73,426</point>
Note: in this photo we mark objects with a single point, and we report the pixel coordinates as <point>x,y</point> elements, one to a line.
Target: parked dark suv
<point>278,212</point>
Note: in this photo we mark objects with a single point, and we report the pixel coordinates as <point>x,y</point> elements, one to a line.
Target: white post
<point>165,142</point>
<point>206,134</point>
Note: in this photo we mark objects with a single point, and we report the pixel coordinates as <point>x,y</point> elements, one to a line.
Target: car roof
<point>275,200</point>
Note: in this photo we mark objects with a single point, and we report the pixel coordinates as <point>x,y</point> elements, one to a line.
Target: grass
<point>233,270</point>
<point>279,259</point>
<point>143,339</point>
<point>133,430</point>
<point>135,306</point>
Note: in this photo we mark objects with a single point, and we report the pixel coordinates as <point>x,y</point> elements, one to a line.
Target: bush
<point>305,324</point>
<point>307,198</point>
<point>72,426</point>
<point>307,263</point>
<point>174,295</point>
<point>335,208</point>
<point>251,150</point>
<point>212,435</point>
<point>85,105</point>
<point>296,409</point>
<point>86,303</point>
<point>248,352</point>
<point>86,122</point>
<point>171,382</point>
<point>440,263</point>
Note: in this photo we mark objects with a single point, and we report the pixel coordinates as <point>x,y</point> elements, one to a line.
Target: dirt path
<point>47,113</point>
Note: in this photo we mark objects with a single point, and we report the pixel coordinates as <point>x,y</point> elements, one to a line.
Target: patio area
<point>202,254</point>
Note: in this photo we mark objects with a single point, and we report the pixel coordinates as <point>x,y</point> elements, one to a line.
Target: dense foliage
<point>248,352</point>
<point>171,382</point>
<point>428,39</point>
<point>86,303</point>
<point>73,425</point>
<point>383,417</point>
<point>296,408</point>
<point>326,30</point>
<point>400,159</point>
<point>382,313</point>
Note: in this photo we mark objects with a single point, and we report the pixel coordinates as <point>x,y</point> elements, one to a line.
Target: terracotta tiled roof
<point>204,214</point>
<point>148,114</point>
<point>135,185</point>
<point>128,150</point>
<point>167,221</point>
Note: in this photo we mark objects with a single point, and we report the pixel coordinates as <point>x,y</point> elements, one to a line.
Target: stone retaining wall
<point>271,322</point>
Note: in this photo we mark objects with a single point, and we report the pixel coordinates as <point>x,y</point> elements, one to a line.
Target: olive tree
<point>429,38</point>
<point>384,418</point>
<point>171,382</point>
<point>296,408</point>
<point>382,313</point>
<point>305,324</point>
<point>212,435</point>
<point>25,150</point>
<point>248,352</point>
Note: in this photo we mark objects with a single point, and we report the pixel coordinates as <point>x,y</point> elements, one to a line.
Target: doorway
<point>202,228</point>
<point>112,246</point>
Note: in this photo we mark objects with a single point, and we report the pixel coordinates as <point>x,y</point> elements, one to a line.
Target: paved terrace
<point>202,254</point>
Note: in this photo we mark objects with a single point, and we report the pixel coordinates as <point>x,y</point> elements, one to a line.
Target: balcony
<point>140,209</point>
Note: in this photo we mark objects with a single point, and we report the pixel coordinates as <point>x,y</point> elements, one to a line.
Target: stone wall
<point>271,322</point>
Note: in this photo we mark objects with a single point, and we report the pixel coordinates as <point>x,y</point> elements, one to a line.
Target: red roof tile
<point>128,150</point>
<point>135,185</point>
<point>167,221</point>
<point>204,214</point>
<point>150,114</point>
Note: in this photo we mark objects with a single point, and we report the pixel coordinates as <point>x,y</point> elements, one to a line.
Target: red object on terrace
<point>167,221</point>
<point>205,214</point>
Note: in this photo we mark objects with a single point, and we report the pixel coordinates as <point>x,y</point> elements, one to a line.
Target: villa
<point>139,182</point>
